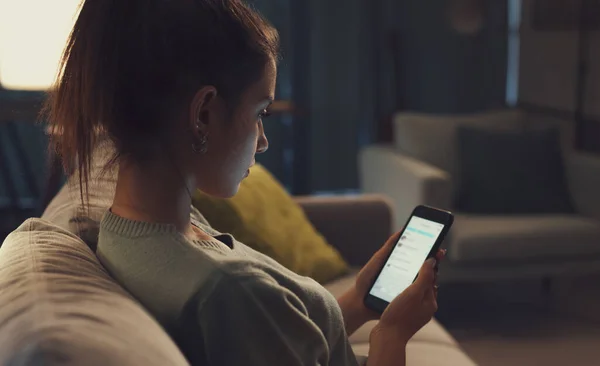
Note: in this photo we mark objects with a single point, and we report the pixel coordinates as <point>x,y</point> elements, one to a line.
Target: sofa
<point>421,166</point>
<point>59,306</point>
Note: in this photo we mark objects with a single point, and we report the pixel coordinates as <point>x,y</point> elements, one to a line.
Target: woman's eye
<point>264,114</point>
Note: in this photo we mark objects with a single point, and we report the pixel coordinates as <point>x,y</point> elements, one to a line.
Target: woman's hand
<point>352,304</point>
<point>413,308</point>
<point>405,315</point>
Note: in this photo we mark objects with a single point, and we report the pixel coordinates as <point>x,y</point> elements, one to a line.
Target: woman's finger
<point>431,298</point>
<point>426,276</point>
<point>378,259</point>
<point>392,240</point>
<point>385,250</point>
<point>440,255</point>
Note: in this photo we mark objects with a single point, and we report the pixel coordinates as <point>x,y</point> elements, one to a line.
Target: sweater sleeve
<point>254,321</point>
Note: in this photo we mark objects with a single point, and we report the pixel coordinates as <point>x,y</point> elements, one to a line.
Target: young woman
<point>181,88</point>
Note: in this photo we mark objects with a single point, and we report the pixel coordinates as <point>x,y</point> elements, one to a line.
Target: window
<point>33,34</point>
<point>514,45</point>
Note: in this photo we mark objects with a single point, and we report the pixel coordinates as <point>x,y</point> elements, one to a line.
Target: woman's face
<point>232,137</point>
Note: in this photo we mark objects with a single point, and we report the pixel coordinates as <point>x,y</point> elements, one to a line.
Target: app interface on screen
<point>407,258</point>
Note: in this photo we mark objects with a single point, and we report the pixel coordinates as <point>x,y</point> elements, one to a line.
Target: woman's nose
<point>263,144</point>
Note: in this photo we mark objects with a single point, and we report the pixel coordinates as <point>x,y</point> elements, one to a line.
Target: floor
<point>517,324</point>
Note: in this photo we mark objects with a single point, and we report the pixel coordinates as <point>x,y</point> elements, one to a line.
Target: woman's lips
<point>248,170</point>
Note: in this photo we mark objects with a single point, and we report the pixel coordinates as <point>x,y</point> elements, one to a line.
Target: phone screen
<point>407,257</point>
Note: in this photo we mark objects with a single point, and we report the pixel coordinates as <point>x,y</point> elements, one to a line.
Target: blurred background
<point>355,74</point>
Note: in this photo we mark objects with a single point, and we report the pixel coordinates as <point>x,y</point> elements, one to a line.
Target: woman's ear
<point>203,111</point>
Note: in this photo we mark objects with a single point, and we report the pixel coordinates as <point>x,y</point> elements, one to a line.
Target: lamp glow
<point>33,35</point>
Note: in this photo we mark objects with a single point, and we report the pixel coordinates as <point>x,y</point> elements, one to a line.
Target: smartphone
<point>419,240</point>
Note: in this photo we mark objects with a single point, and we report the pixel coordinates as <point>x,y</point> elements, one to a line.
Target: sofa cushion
<point>60,306</point>
<point>518,172</point>
<point>433,332</point>
<point>427,354</point>
<point>522,238</point>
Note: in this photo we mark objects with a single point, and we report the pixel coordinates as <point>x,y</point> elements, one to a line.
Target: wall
<point>448,72</point>
<point>548,75</point>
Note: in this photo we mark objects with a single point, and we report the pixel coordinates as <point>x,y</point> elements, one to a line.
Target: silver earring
<point>199,146</point>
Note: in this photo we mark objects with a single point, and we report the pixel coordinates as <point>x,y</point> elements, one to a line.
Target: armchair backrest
<point>433,138</point>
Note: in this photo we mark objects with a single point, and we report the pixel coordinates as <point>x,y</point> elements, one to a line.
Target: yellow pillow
<point>265,217</point>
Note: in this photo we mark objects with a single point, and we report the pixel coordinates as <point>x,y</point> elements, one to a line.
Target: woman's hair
<point>130,65</point>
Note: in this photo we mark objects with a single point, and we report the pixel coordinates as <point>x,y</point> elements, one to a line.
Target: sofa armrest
<point>357,226</point>
<point>407,181</point>
<point>583,177</point>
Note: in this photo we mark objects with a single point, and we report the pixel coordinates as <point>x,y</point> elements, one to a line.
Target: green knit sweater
<point>222,302</point>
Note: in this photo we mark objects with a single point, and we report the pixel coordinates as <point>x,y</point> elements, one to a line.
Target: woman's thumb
<point>427,274</point>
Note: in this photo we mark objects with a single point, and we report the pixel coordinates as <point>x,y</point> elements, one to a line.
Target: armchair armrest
<point>583,177</point>
<point>407,181</point>
<point>357,226</point>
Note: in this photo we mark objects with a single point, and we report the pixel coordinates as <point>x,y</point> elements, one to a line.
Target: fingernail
<point>445,251</point>
<point>432,262</point>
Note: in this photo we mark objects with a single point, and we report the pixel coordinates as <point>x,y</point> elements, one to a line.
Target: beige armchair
<point>420,169</point>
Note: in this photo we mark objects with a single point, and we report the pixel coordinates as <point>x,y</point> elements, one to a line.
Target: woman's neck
<point>154,192</point>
